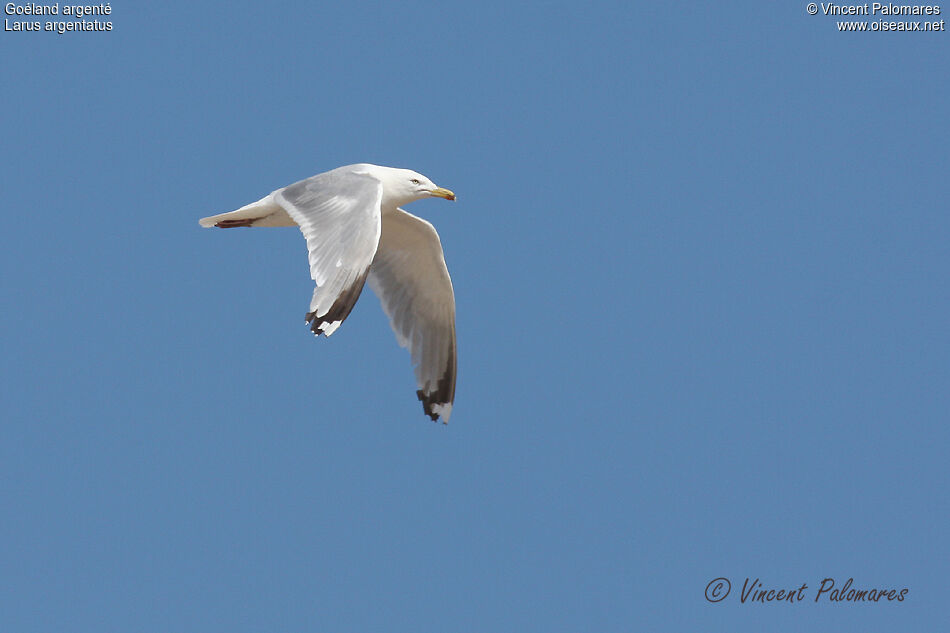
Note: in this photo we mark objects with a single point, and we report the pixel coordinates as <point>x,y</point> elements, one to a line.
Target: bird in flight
<point>355,233</point>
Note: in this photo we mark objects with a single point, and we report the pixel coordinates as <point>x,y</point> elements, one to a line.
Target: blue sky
<point>699,255</point>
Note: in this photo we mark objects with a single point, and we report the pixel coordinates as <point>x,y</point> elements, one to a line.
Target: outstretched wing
<point>338,213</point>
<point>413,284</point>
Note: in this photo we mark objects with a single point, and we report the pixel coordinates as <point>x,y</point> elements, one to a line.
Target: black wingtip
<point>444,392</point>
<point>341,308</point>
<point>429,401</point>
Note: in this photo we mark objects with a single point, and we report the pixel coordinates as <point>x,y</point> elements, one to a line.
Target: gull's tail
<point>264,212</point>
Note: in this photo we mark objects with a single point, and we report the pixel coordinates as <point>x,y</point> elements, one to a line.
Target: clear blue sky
<point>700,257</point>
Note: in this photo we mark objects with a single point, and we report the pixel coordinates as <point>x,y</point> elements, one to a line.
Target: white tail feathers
<point>264,212</point>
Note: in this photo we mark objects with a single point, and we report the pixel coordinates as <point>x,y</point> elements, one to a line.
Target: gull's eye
<point>415,182</point>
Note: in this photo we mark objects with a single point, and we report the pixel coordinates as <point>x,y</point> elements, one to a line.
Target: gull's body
<point>356,232</point>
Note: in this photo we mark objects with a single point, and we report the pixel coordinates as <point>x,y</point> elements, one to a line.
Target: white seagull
<point>355,232</point>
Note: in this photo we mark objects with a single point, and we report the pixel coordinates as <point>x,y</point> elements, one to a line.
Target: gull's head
<point>402,186</point>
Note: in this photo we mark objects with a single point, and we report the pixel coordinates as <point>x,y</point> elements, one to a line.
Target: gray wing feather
<point>338,214</point>
<point>412,282</point>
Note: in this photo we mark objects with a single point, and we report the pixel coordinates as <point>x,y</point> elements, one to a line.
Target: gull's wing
<point>338,213</point>
<point>410,278</point>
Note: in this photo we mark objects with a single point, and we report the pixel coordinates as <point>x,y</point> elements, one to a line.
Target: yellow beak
<point>439,192</point>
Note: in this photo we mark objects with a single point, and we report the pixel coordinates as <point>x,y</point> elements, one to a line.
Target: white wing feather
<point>339,215</point>
<point>412,282</point>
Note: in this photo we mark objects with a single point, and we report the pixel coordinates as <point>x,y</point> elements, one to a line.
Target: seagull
<point>356,232</point>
